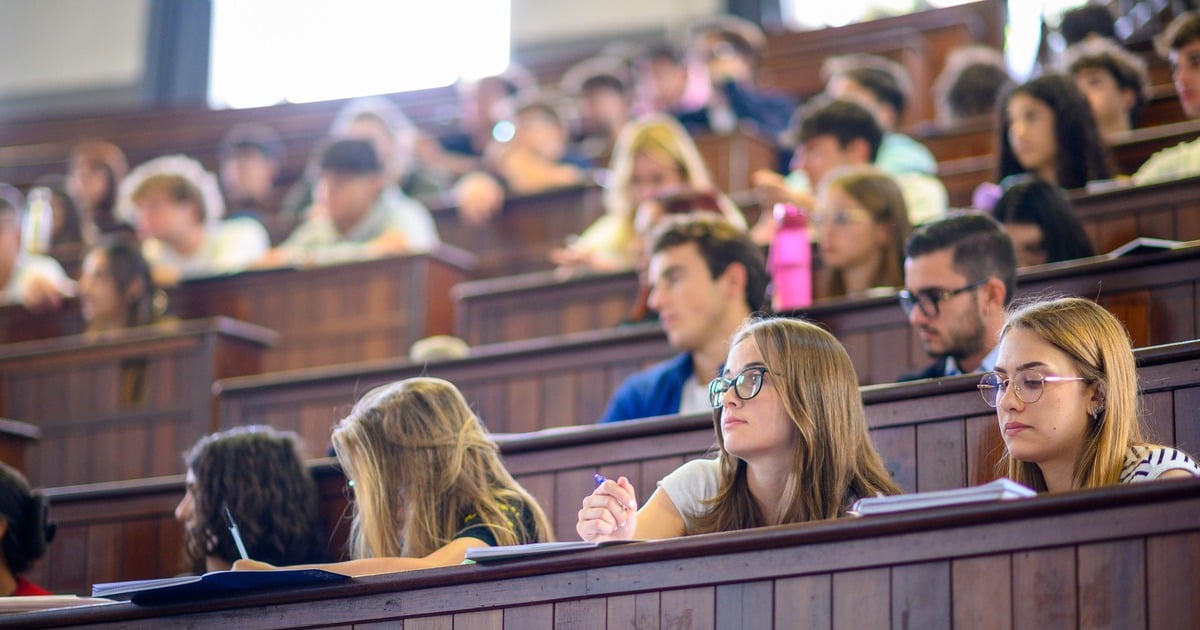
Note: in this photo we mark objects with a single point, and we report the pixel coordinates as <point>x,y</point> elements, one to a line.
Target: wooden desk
<point>126,405</point>
<point>514,387</point>
<point>18,323</point>
<point>732,159</point>
<point>520,237</point>
<point>339,313</point>
<point>1169,210</point>
<point>1088,558</point>
<point>15,438</point>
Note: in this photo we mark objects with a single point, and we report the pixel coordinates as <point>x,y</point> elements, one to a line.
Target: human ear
<point>1099,398</point>
<point>735,276</point>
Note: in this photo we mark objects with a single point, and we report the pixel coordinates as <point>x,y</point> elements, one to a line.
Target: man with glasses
<point>959,277</point>
<point>706,277</point>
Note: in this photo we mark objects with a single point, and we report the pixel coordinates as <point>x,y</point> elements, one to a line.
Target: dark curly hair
<point>1038,202</point>
<point>1082,157</point>
<point>259,474</point>
<point>29,528</point>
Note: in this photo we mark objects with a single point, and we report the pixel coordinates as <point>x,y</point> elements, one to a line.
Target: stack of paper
<point>1000,489</point>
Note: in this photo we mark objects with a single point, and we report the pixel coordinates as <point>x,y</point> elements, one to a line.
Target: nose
<point>183,511</point>
<point>654,300</point>
<point>1009,399</point>
<point>916,316</point>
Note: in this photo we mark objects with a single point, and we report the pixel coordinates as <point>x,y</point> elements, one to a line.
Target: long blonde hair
<point>879,195</point>
<point>834,459</point>
<point>1099,346</point>
<point>664,140</point>
<point>420,462</point>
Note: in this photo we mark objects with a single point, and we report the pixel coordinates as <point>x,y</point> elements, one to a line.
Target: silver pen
<point>237,535</point>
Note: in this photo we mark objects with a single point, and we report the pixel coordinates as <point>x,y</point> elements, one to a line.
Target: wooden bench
<point>126,405</point>
<point>15,438</point>
<point>1091,558</point>
<point>339,313</point>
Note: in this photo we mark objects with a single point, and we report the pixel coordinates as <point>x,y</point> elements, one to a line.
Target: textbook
<point>212,584</point>
<point>29,603</point>
<point>510,552</point>
<point>998,490</point>
<point>1145,244</point>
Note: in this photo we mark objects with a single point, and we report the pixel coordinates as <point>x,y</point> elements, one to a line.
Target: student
<point>862,225</point>
<point>69,233</point>
<point>959,275</point>
<point>358,219</point>
<point>116,289</point>
<point>792,446</point>
<point>1113,80</point>
<point>258,473</point>
<point>1038,218</point>
<point>1047,129</point>
<point>604,100</point>
<point>95,171</point>
<point>705,278</point>
<point>25,531</point>
<point>653,155</point>
<point>38,282</point>
<point>1066,397</point>
<point>251,156</point>
<point>177,208</point>
<point>428,482</point>
<point>971,81</point>
<point>1179,43</point>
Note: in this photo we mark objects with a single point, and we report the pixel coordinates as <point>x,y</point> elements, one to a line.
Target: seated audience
<point>258,474</point>
<point>251,155</point>
<point>603,97</point>
<point>36,281</point>
<point>792,446</point>
<point>664,84</point>
<point>706,277</point>
<point>68,235</point>
<point>1087,22</point>
<point>25,531</point>
<point>1114,81</point>
<point>1071,419</point>
<point>1038,218</point>
<point>971,81</point>
<point>862,226</point>
<point>538,157</point>
<point>95,171</point>
<point>428,482</point>
<point>1179,43</point>
<point>882,86</point>
<point>358,218</point>
<point>1047,129</point>
<point>116,289</point>
<point>177,207</point>
<point>959,276</point>
<point>833,133</point>
<point>653,155</point>
<point>730,49</point>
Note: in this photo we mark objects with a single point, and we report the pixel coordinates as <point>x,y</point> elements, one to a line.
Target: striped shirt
<point>1147,463</point>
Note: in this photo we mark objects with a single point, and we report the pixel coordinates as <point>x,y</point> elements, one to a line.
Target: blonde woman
<point>1066,397</point>
<point>792,446</point>
<point>653,155</point>
<point>862,225</point>
<point>428,482</point>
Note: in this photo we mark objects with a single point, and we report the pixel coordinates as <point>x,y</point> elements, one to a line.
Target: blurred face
<point>347,196</point>
<point>185,512</point>
<point>819,155</point>
<point>160,216</point>
<point>1051,430</point>
<point>958,329</point>
<point>666,82</point>
<point>759,426</point>
<point>850,237</point>
<point>1028,242</point>
<point>540,134</point>
<point>690,302</point>
<point>1032,136</point>
<point>651,178</point>
<point>88,181</point>
<point>249,176</point>
<point>1185,65</point>
<point>99,298</point>
<point>376,132</point>
<point>603,109</point>
<point>851,90</point>
<point>1110,104</point>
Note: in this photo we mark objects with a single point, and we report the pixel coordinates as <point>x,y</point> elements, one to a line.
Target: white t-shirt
<point>29,266</point>
<point>228,247</point>
<point>1177,162</point>
<point>1147,463</point>
<point>693,398</point>
<point>319,242</point>
<point>690,485</point>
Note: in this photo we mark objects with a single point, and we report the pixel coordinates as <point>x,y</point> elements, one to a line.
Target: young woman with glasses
<point>1066,397</point>
<point>863,224</point>
<point>792,446</point>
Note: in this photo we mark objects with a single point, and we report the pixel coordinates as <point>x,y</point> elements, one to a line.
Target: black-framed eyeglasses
<point>1029,383</point>
<point>928,300</point>
<point>745,385</point>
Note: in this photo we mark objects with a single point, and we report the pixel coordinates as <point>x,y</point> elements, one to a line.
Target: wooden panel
<point>982,590</point>
<point>921,595</point>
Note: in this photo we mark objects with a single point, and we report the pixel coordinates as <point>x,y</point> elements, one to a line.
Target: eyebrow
<point>1023,366</point>
<point>745,367</point>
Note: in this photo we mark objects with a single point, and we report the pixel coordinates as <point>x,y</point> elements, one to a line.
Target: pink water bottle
<point>790,260</point>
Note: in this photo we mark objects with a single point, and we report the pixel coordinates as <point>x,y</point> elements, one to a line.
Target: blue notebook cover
<point>217,583</point>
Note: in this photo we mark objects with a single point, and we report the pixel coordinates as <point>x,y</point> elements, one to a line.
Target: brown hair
<point>879,195</point>
<point>177,188</point>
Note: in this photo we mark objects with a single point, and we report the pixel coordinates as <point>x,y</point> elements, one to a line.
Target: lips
<point>731,422</point>
<point>1013,428</point>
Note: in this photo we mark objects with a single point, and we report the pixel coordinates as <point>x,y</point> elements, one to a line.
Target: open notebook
<point>212,584</point>
<point>510,552</point>
<point>998,490</point>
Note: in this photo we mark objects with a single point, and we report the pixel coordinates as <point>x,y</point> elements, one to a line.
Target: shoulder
<point>935,370</point>
<point>653,391</point>
<point>1146,462</point>
<point>241,228</point>
<point>673,371</point>
<point>690,485</point>
<point>1181,160</point>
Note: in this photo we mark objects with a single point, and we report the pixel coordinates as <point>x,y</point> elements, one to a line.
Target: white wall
<point>67,45</point>
<point>548,21</point>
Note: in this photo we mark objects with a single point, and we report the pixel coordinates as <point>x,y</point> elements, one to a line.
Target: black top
<point>473,527</point>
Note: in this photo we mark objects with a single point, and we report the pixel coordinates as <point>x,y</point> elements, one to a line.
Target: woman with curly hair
<point>258,473</point>
<point>24,532</point>
<point>428,483</point>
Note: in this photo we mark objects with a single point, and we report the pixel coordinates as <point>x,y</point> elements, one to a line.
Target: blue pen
<point>599,479</point>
